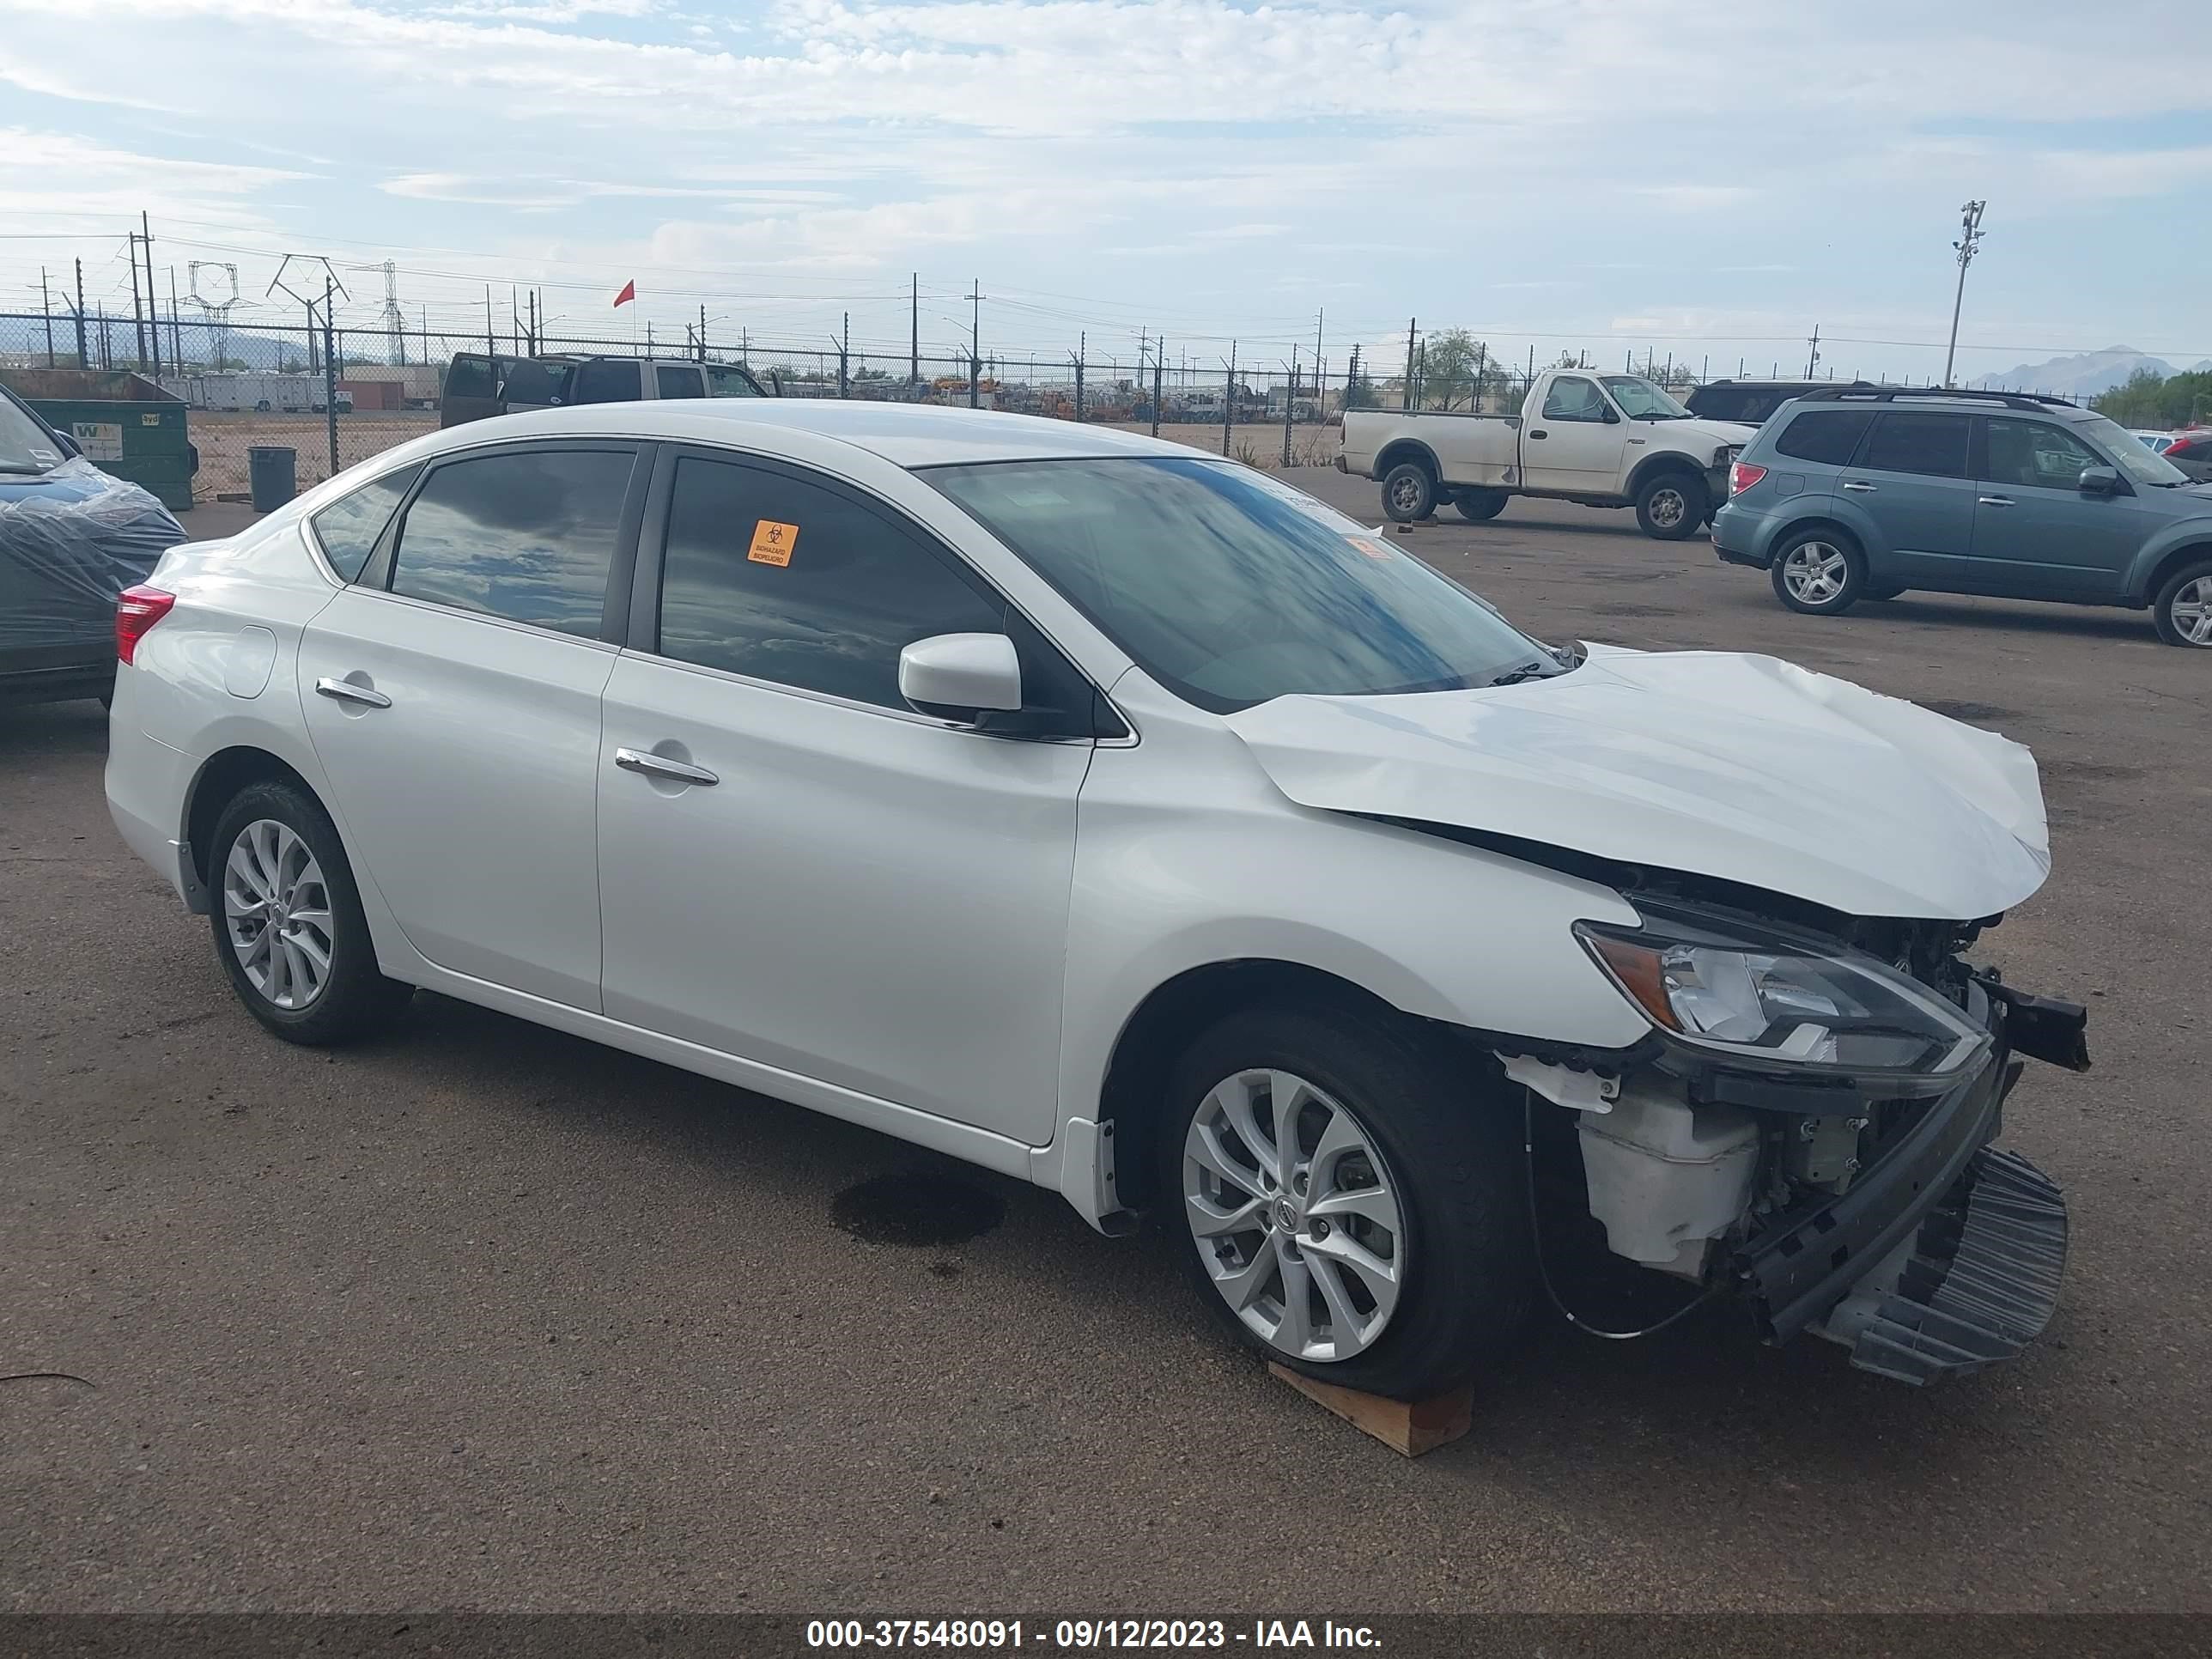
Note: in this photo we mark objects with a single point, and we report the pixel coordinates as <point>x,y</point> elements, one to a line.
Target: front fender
<point>2193,534</point>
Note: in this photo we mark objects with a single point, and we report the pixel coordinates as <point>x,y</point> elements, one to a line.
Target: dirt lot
<point>484,1317</point>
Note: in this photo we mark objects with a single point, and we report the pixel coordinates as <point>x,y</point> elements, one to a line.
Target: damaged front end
<point>1810,1132</point>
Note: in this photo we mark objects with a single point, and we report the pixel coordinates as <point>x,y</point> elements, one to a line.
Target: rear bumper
<point>1736,537</point>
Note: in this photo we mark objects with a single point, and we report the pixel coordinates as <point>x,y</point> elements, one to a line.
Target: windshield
<point>1640,400</point>
<point>1230,588</point>
<point>2131,454</point>
<point>25,446</point>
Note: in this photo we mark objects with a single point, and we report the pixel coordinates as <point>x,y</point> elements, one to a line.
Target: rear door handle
<point>1867,488</point>
<point>347,691</point>
<point>1996,500</point>
<point>659,766</point>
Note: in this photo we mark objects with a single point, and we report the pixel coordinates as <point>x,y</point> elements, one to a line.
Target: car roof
<point>905,434</point>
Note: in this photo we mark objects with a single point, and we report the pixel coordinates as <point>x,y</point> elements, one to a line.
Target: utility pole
<point>844,359</point>
<point>1407,401</point>
<point>1970,239</point>
<point>702,332</point>
<point>45,310</point>
<point>975,338</point>
<point>914,329</point>
<point>1814,359</point>
<point>1229,401</point>
<point>1160,372</point>
<point>82,361</point>
<point>330,371</point>
<point>491,345</point>
<point>138,322</point>
<point>1289,404</point>
<point>1082,345</point>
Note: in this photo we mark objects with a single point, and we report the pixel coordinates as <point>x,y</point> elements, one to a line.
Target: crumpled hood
<point>1745,767</point>
<point>1699,432</point>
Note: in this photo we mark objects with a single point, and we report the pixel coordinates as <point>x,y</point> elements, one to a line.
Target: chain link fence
<point>338,397</point>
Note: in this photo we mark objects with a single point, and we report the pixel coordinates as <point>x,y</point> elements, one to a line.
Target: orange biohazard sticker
<point>1370,546</point>
<point>773,542</point>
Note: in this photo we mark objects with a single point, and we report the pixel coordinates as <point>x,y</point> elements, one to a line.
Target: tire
<point>351,998</point>
<point>1409,492</point>
<point>1447,1158</point>
<point>1671,506</point>
<point>1838,591</point>
<point>1480,506</point>
<point>2183,609</point>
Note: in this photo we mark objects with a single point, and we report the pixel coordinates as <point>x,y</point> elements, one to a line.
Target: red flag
<point>628,293</point>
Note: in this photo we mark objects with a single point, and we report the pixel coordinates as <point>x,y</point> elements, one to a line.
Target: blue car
<point>71,539</point>
<point>1862,493</point>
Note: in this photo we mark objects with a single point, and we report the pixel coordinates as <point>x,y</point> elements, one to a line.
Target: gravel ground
<point>482,1317</point>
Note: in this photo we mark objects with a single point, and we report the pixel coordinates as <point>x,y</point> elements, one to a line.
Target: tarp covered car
<point>71,539</point>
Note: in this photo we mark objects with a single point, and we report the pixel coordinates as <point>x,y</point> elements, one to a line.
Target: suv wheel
<point>288,927</point>
<point>1670,506</point>
<point>1819,572</point>
<point>1409,492</point>
<point>1352,1210</point>
<point>2183,609</point>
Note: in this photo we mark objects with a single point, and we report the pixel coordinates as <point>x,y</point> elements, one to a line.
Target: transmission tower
<point>215,312</point>
<point>395,321</point>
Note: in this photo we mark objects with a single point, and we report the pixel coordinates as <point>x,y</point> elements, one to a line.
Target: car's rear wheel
<point>288,921</point>
<point>1409,492</point>
<point>1478,505</point>
<point>2183,609</point>
<point>1671,506</point>
<point>1353,1209</point>
<point>1819,572</point>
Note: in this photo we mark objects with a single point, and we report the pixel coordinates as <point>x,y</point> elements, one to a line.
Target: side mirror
<point>961,676</point>
<point>2100,481</point>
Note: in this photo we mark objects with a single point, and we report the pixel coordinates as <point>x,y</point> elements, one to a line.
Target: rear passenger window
<point>607,383</point>
<point>528,535</point>
<point>348,527</point>
<point>769,575</point>
<point>1903,441</point>
<point>1828,436</point>
<point>676,381</point>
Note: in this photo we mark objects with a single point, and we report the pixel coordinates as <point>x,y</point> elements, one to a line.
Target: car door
<point>1574,444</point>
<point>470,390</point>
<point>2036,533</point>
<point>1912,477</point>
<point>808,873</point>
<point>453,696</point>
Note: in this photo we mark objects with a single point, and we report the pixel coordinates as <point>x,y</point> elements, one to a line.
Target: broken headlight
<point>1785,999</point>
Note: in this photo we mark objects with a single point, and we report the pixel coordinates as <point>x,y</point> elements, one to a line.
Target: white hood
<point>1745,767</point>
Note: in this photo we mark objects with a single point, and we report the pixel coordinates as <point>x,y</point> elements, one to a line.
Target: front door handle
<point>1867,488</point>
<point>659,766</point>
<point>347,691</point>
<point>1996,500</point>
<point>1539,433</point>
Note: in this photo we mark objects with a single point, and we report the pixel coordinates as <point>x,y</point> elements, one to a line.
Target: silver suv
<point>1861,493</point>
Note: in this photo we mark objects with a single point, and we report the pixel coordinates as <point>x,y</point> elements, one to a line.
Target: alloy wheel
<point>2191,610</point>
<point>277,914</point>
<point>1294,1215</point>
<point>1815,572</point>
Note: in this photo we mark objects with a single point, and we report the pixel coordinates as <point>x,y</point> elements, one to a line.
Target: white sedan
<point>1123,820</point>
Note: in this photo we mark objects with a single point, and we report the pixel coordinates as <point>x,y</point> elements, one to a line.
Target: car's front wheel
<point>1819,572</point>
<point>288,927</point>
<point>2183,609</point>
<point>1354,1205</point>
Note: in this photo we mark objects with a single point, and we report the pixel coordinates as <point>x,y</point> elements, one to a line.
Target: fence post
<point>1082,345</point>
<point>1289,406</point>
<point>1408,398</point>
<point>1159,368</point>
<point>329,378</point>
<point>1228,399</point>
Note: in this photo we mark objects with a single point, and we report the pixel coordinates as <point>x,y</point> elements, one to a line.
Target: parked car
<point>1600,440</point>
<point>2157,442</point>
<point>1751,402</point>
<point>479,385</point>
<point>1852,494</point>
<point>1016,788</point>
<point>72,539</point>
<point>2191,452</point>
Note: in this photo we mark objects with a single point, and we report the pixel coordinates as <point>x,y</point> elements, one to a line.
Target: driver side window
<point>1574,399</point>
<point>2036,455</point>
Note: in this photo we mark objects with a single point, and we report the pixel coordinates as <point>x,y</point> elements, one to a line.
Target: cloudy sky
<point>1708,178</point>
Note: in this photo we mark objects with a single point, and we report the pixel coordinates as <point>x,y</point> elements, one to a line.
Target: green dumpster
<point>125,424</point>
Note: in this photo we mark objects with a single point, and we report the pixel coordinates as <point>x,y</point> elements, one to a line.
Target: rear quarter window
<point>348,527</point>
<point>1826,436</point>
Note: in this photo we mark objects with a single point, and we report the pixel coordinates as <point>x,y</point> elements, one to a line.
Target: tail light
<point>1742,476</point>
<point>137,610</point>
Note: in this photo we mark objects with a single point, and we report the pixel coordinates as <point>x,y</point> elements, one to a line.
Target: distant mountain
<point>2083,375</point>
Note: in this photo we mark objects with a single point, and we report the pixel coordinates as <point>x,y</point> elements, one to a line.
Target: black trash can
<point>272,475</point>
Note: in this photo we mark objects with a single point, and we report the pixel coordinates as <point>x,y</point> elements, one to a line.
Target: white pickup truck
<point>1600,439</point>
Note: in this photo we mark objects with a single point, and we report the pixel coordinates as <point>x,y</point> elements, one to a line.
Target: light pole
<point>1970,237</point>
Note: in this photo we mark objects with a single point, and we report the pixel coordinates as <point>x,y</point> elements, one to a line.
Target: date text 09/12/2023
<point>1079,1635</point>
